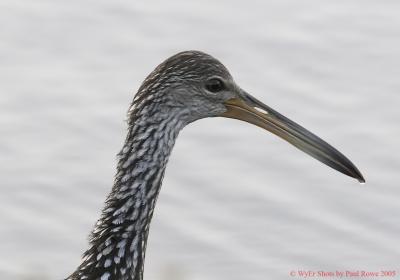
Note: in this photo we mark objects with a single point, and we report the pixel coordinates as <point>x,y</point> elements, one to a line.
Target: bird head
<point>193,85</point>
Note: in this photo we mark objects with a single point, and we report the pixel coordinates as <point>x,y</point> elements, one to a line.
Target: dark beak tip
<point>360,178</point>
<point>356,174</point>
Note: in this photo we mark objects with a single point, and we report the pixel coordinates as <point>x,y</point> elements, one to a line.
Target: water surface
<point>237,202</point>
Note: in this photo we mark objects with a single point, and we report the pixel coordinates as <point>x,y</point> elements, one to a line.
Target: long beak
<point>249,109</point>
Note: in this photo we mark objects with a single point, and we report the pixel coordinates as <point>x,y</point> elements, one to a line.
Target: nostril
<point>261,110</point>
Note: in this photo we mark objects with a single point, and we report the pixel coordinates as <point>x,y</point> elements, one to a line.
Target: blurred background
<point>237,202</point>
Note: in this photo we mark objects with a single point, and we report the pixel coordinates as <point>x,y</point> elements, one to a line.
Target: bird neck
<point>118,241</point>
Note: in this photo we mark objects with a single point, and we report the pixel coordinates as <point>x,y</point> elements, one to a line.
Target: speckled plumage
<point>184,88</point>
<point>168,100</point>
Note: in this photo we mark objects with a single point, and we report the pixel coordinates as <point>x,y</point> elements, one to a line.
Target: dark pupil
<point>214,85</point>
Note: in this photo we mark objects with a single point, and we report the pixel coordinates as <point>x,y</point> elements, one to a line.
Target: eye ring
<point>215,85</point>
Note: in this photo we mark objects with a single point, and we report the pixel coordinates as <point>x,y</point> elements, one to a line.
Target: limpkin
<point>186,87</point>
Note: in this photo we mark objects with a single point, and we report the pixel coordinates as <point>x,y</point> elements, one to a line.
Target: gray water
<point>237,202</point>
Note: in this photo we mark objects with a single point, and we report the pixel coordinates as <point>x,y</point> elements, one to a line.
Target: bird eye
<point>214,85</point>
